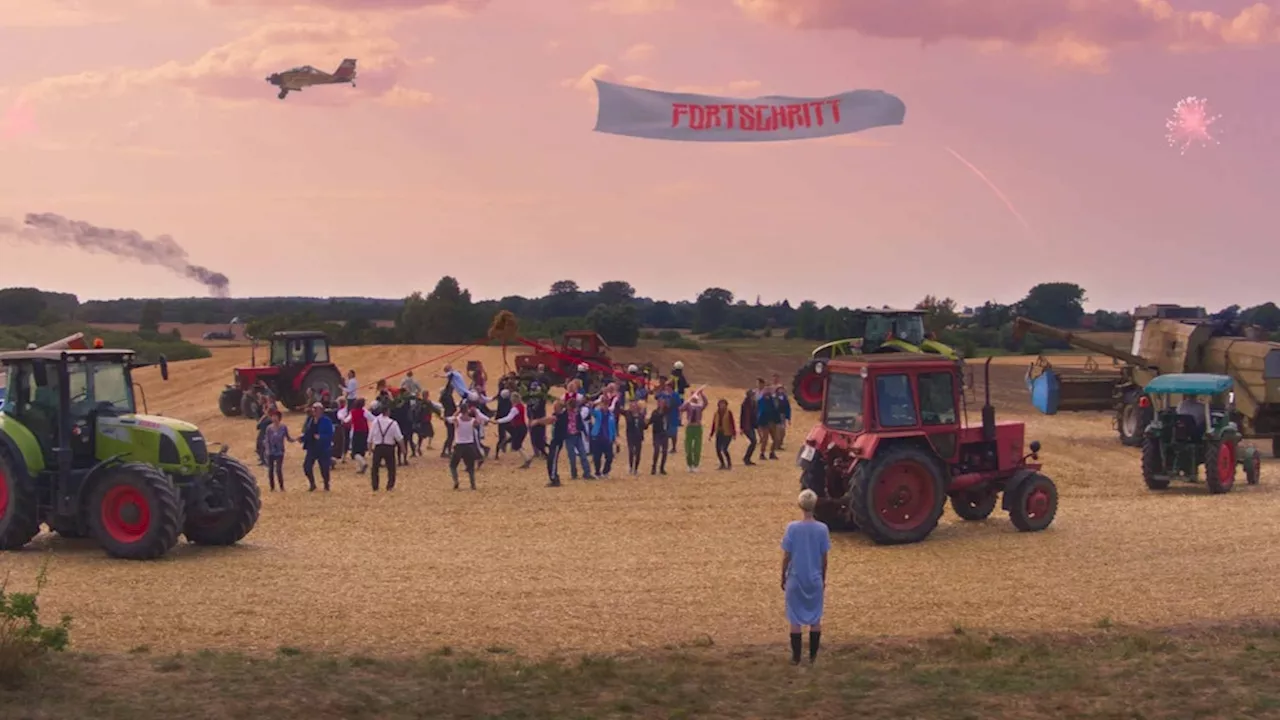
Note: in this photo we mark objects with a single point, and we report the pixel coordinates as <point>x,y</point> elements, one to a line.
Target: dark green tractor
<point>1181,438</point>
<point>76,456</point>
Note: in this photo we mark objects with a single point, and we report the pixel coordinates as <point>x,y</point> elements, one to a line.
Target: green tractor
<point>1180,439</point>
<point>884,330</point>
<point>75,455</point>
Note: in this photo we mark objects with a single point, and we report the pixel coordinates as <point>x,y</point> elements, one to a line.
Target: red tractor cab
<point>299,362</point>
<point>894,445</point>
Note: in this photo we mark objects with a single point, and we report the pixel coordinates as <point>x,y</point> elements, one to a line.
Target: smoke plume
<point>53,229</point>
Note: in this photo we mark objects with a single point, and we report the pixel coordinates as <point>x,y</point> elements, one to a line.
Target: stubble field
<point>648,562</point>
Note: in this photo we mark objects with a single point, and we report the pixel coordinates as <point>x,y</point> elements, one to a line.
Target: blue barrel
<point>1046,391</point>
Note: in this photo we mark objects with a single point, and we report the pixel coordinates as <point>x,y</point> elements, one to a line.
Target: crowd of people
<point>536,419</point>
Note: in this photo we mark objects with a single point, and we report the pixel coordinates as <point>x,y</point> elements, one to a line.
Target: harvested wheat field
<point>626,563</point>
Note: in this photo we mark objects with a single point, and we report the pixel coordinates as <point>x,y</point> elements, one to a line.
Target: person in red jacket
<point>723,430</point>
<point>359,435</point>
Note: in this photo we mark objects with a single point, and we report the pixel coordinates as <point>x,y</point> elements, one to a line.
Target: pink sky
<point>468,148</point>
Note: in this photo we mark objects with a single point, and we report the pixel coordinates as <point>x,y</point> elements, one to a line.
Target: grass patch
<point>148,346</point>
<point>1119,672</point>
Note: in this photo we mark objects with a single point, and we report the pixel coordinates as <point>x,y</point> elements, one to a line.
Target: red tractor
<point>299,362</point>
<point>894,444</point>
<point>553,365</point>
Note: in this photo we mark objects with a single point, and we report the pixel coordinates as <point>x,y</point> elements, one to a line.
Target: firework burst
<point>1191,123</point>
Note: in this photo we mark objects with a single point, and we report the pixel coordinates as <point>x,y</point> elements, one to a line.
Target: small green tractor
<point>76,456</point>
<point>884,330</point>
<point>1182,438</point>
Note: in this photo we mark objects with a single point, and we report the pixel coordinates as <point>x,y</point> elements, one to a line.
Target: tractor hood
<point>157,422</point>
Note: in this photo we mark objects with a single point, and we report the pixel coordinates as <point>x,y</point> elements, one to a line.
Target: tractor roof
<point>1189,384</point>
<point>298,334</point>
<point>59,355</point>
<point>916,361</point>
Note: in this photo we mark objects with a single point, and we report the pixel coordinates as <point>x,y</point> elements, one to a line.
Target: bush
<point>24,641</point>
<point>682,343</point>
<point>729,333</point>
<point>668,335</point>
<point>149,346</point>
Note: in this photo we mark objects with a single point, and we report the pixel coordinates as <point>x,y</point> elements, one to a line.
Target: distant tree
<point>445,316</point>
<point>660,315</point>
<point>1060,304</point>
<point>615,292</point>
<point>711,310</point>
<point>992,315</point>
<point>939,314</point>
<point>617,324</point>
<point>1228,314</point>
<point>564,299</point>
<point>1266,315</point>
<point>152,312</point>
<point>808,325</point>
<point>21,306</point>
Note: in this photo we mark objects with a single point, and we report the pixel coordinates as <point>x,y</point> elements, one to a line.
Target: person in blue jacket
<point>784,418</point>
<point>317,441</point>
<point>768,416</point>
<point>604,431</point>
<point>674,403</point>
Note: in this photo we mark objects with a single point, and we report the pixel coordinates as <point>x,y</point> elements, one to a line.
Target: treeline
<point>448,314</point>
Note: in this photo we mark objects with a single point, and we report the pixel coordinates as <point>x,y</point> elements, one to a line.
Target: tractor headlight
<point>818,368</point>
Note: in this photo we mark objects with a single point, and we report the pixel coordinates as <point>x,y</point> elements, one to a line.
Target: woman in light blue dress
<point>805,545</point>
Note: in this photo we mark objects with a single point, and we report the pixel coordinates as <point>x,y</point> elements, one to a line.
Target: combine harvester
<point>1167,339</point>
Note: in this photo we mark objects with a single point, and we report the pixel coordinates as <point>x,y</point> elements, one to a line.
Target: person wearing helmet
<point>678,379</point>
<point>584,376</point>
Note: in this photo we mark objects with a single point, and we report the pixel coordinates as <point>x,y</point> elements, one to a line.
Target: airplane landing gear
<point>282,94</point>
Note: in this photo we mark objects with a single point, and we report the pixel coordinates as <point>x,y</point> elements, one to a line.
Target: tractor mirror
<point>1035,446</point>
<point>164,368</point>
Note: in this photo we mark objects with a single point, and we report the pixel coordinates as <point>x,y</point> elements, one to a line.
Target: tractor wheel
<point>1220,467</point>
<point>1034,504</point>
<point>238,492</point>
<point>1252,462</point>
<point>899,498</point>
<point>1131,420</point>
<point>19,508</point>
<point>975,505</point>
<point>135,512</point>
<point>806,388</point>
<point>1153,465</point>
<point>321,380</point>
<point>229,402</point>
<point>249,407</point>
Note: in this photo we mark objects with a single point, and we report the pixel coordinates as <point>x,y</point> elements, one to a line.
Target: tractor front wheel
<point>1220,467</point>
<point>900,496</point>
<point>135,512</point>
<point>236,493</point>
<point>1034,504</point>
<point>322,380</point>
<point>229,402</point>
<point>1131,420</point>
<point>1153,465</point>
<point>19,509</point>
<point>806,388</point>
<point>974,505</point>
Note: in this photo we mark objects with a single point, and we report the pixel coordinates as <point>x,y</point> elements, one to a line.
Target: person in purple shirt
<point>317,441</point>
<point>805,546</point>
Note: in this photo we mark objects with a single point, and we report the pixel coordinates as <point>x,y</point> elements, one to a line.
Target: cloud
<point>633,7</point>
<point>1080,33</point>
<point>50,13</point>
<point>235,71</point>
<point>451,7</point>
<point>586,83</point>
<point>639,52</point>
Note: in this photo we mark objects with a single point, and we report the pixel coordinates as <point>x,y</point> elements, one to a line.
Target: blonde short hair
<point>808,500</point>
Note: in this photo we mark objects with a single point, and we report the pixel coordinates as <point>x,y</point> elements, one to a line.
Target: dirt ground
<point>652,561</point>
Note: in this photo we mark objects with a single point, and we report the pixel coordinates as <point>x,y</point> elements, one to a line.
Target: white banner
<point>637,112</point>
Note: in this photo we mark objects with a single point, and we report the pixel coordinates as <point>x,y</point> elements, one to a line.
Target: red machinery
<point>299,362</point>
<point>577,348</point>
<point>893,447</point>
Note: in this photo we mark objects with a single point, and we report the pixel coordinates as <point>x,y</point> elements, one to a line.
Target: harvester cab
<point>1200,430</point>
<point>76,455</point>
<point>881,331</point>
<point>894,445</point>
<point>299,361</point>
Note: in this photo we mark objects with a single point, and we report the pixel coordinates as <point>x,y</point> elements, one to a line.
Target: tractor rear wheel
<point>249,407</point>
<point>229,402</point>
<point>322,380</point>
<point>1034,503</point>
<point>974,505</point>
<point>19,508</point>
<point>900,496</point>
<point>806,388</point>
<point>1153,465</point>
<point>135,512</point>
<point>1252,462</point>
<point>1220,467</point>
<point>238,493</point>
<point>1131,420</point>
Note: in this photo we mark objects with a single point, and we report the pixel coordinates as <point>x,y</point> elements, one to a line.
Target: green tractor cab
<point>76,455</point>
<point>884,330</point>
<point>1182,438</point>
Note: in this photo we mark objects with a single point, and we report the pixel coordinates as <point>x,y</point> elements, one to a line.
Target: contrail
<point>54,229</point>
<point>994,188</point>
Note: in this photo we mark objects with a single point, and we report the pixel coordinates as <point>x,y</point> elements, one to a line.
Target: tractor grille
<point>198,448</point>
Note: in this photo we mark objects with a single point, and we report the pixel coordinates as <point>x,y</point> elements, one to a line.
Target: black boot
<point>815,637</point>
<point>796,645</point>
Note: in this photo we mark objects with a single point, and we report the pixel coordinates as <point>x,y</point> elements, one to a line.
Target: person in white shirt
<point>1194,409</point>
<point>517,424</point>
<point>352,387</point>
<point>342,431</point>
<point>384,436</point>
<point>410,386</point>
<point>466,441</point>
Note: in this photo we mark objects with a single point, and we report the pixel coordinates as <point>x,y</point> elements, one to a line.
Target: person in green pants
<point>692,410</point>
